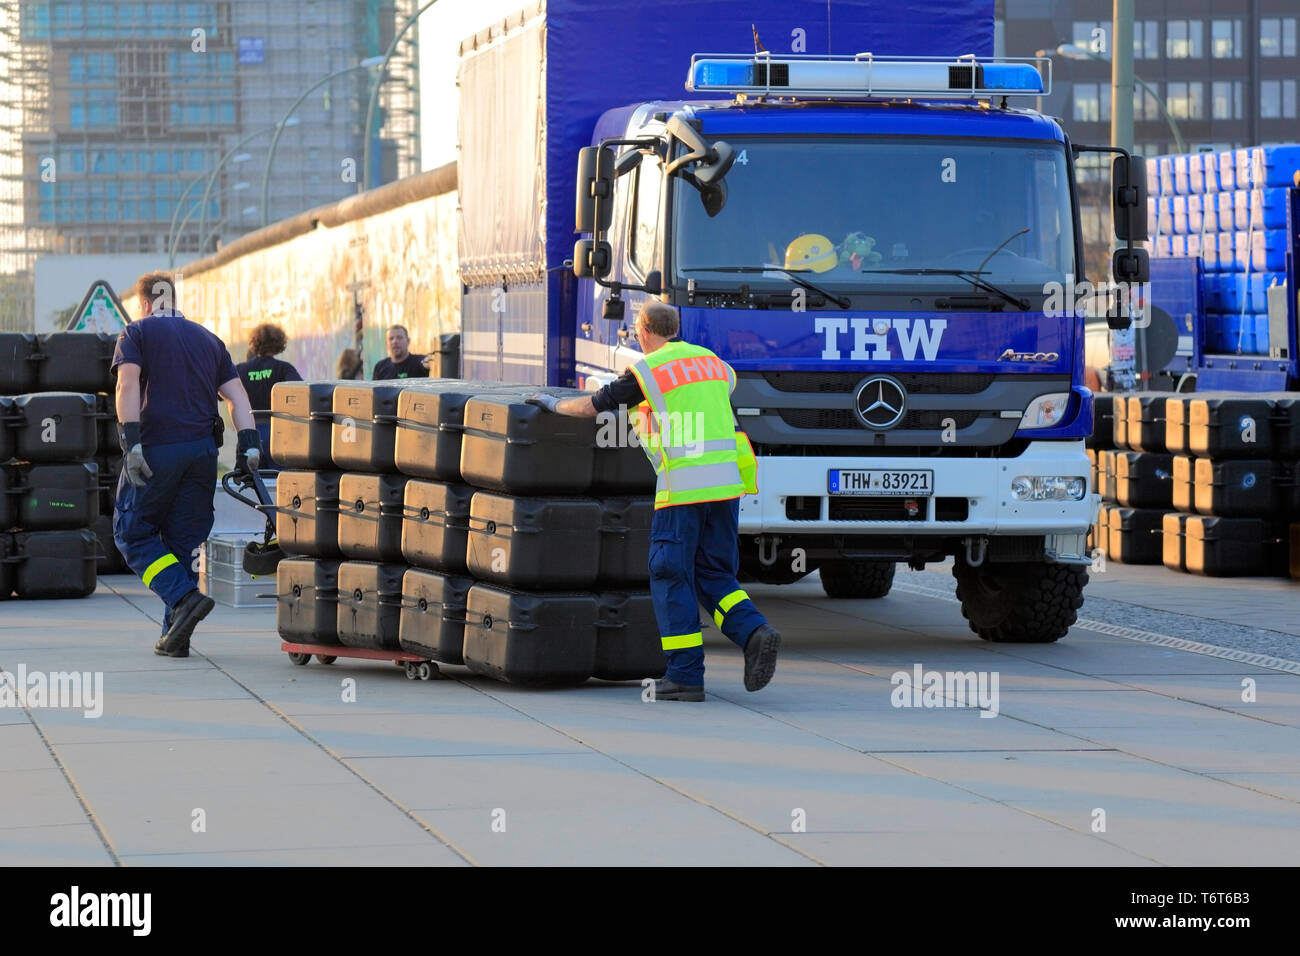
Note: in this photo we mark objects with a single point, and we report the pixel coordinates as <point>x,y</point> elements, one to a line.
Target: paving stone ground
<point>1104,749</point>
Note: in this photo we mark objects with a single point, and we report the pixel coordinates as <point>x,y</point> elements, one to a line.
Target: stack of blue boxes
<point>1229,209</point>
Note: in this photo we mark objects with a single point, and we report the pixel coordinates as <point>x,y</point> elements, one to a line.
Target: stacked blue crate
<point>1228,209</point>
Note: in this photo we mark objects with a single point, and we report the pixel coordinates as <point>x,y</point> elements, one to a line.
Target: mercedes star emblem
<point>880,402</point>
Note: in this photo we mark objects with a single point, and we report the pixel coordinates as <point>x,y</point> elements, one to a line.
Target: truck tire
<point>857,578</point>
<point>1020,602</point>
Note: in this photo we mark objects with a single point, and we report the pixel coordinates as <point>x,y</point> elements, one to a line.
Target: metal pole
<point>171,253</point>
<point>363,182</point>
<point>203,209</point>
<point>1039,67</point>
<point>279,128</point>
<point>171,232</point>
<point>1180,143</point>
<point>1160,103</point>
<point>1121,76</point>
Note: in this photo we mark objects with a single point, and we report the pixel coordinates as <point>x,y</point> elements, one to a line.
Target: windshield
<point>837,208</point>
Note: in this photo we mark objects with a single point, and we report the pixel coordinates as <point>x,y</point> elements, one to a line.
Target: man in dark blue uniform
<point>169,372</point>
<point>400,363</point>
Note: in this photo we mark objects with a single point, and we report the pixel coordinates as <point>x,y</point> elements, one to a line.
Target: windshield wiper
<point>973,276</point>
<point>791,274</point>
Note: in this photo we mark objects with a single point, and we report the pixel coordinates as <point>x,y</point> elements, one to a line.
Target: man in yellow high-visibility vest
<point>682,397</point>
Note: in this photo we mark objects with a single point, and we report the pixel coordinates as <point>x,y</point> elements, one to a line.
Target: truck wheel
<point>857,578</point>
<point>1020,602</point>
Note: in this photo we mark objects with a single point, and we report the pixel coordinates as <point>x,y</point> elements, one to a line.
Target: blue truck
<point>865,228</point>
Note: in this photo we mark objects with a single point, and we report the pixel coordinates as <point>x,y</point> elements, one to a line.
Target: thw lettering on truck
<point>869,338</point>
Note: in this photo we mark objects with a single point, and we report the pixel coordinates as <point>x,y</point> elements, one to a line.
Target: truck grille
<point>919,383</point>
<point>875,509</point>
<point>923,419</point>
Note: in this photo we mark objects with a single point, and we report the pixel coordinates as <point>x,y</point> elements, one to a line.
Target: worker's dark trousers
<point>160,527</point>
<point>694,557</point>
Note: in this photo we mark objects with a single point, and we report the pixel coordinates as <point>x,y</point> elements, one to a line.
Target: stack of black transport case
<point>1204,482</point>
<point>452,520</point>
<point>59,463</point>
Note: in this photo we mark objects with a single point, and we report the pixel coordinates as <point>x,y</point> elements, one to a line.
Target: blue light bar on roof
<point>865,76</point>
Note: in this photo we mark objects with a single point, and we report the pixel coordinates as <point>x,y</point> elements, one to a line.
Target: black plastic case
<point>538,543</point>
<point>370,516</point>
<point>435,525</point>
<point>432,621</point>
<point>369,604</point>
<point>307,600</point>
<point>530,638</point>
<point>307,519</point>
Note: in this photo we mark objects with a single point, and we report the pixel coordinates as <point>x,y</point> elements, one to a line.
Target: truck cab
<point>886,253</point>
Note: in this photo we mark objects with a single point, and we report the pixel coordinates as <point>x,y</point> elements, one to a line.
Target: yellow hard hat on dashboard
<point>811,251</point>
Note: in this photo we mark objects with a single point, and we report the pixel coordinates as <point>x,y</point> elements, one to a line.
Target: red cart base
<point>417,667</point>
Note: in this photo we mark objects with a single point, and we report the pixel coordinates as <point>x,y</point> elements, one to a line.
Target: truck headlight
<point>1048,488</point>
<point>1045,411</point>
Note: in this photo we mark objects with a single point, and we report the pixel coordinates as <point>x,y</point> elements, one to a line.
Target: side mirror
<point>708,163</point>
<point>1131,266</point>
<point>594,206</point>
<point>654,283</point>
<point>627,162</point>
<point>717,164</point>
<point>592,258</point>
<point>714,197</point>
<point>1129,194</point>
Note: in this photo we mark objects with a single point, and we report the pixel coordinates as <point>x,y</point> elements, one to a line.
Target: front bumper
<point>985,484</point>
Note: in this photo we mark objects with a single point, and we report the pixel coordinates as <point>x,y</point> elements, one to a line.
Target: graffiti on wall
<point>400,265</point>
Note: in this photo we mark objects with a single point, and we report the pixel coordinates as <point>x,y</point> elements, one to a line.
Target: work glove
<point>248,451</point>
<point>138,471</point>
<point>547,402</point>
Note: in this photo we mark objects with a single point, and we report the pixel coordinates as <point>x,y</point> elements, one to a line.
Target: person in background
<point>400,363</point>
<point>350,365</point>
<point>260,373</point>
<point>169,372</point>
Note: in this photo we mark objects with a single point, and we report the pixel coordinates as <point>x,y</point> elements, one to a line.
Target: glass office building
<point>113,115</point>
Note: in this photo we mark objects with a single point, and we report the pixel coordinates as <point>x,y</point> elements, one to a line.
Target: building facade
<point>116,114</point>
<point>1223,73</point>
<point>1226,70</point>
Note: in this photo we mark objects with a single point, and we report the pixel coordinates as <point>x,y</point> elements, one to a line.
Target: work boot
<point>188,611</point>
<point>181,650</point>
<point>666,689</point>
<point>760,656</point>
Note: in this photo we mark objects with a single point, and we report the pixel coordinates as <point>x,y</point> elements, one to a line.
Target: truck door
<point>642,255</point>
<point>595,335</point>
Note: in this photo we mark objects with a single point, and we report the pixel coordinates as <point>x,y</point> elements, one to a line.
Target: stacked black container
<point>58,460</point>
<point>1205,482</point>
<point>1100,448</point>
<point>1236,483</point>
<point>1132,473</point>
<point>1134,478</point>
<point>452,520</point>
